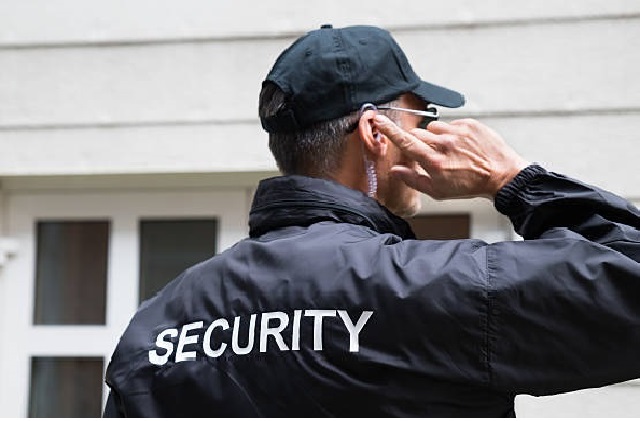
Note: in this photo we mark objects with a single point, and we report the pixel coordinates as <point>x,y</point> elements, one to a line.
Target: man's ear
<point>370,136</point>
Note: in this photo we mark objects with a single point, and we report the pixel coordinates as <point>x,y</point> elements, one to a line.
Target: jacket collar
<point>298,200</point>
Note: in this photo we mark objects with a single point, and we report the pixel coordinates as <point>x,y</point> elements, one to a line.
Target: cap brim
<point>439,95</point>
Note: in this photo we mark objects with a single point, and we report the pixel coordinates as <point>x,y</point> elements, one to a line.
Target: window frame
<point>124,209</point>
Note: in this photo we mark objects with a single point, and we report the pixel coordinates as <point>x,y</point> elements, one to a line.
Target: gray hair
<point>314,151</point>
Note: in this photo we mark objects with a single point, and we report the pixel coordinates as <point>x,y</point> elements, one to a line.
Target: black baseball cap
<point>330,72</point>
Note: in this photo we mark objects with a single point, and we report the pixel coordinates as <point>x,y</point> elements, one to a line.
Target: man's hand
<point>464,158</point>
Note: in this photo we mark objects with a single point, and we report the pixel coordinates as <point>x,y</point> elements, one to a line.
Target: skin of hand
<point>461,159</point>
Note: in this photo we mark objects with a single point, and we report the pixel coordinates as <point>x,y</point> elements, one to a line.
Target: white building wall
<point>3,294</point>
<point>117,88</point>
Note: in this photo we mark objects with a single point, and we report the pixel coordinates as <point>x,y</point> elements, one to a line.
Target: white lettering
<point>156,359</point>
<point>222,323</point>
<point>317,325</point>
<point>354,331</point>
<point>272,324</point>
<point>236,329</point>
<point>295,335</point>
<point>276,332</point>
<point>186,340</point>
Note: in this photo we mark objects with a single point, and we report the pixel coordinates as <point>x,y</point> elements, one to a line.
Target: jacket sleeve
<point>111,409</point>
<point>564,304</point>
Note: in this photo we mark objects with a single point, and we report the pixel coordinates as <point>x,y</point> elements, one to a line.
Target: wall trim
<point>292,34</point>
<point>493,114</point>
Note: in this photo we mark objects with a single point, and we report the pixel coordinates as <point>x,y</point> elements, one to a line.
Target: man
<point>331,308</point>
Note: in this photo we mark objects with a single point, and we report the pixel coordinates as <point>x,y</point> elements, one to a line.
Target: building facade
<point>131,148</point>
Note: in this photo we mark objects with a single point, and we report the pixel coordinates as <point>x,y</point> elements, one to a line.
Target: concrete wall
<point>115,88</point>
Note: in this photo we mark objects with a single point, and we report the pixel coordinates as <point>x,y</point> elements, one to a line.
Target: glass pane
<point>66,387</point>
<point>441,227</point>
<point>168,247</point>
<point>71,272</point>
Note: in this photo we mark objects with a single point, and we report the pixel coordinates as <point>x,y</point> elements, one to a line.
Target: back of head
<point>315,150</point>
<point>309,98</point>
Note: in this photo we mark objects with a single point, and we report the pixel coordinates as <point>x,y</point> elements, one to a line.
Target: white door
<point>44,354</point>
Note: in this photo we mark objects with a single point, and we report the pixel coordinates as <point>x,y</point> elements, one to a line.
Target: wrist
<point>505,199</point>
<point>510,173</point>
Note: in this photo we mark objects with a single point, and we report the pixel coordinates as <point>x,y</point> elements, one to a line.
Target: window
<point>169,246</point>
<point>71,272</point>
<point>76,281</point>
<point>441,226</point>
<point>66,387</point>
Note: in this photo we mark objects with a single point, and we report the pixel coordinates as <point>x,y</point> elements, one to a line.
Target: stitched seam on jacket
<point>489,307</point>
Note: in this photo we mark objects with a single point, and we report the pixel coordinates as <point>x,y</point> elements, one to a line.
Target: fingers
<point>439,127</point>
<point>420,181</point>
<point>464,122</point>
<point>456,127</point>
<point>462,158</point>
<point>414,147</point>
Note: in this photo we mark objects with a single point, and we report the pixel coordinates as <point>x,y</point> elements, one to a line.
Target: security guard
<point>332,308</point>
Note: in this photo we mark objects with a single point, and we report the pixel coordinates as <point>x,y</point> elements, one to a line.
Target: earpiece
<point>376,137</point>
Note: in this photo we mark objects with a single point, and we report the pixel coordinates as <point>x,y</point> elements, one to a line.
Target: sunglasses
<point>428,115</point>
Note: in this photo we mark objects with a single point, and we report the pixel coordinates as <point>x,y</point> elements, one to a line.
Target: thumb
<point>415,148</point>
<point>420,181</point>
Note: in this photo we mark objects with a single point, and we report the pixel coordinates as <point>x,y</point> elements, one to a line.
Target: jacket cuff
<point>506,199</point>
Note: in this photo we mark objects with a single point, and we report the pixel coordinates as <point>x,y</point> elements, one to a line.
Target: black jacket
<point>331,308</point>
